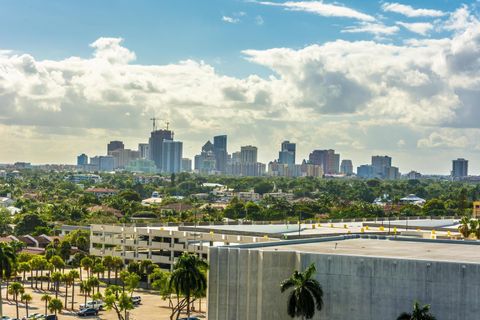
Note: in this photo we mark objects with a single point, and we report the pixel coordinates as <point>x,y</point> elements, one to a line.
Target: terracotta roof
<point>101,190</point>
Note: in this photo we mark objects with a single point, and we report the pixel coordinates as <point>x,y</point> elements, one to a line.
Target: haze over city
<point>362,78</point>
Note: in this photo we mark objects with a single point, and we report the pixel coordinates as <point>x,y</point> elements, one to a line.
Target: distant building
<point>476,209</point>
<point>6,202</point>
<point>79,178</point>
<point>206,162</point>
<point>186,165</point>
<point>172,156</point>
<point>366,171</point>
<point>102,192</point>
<point>460,168</point>
<point>142,165</point>
<point>156,146</point>
<point>328,159</point>
<point>114,145</point>
<point>248,154</point>
<point>391,173</point>
<point>82,160</point>
<point>287,153</point>
<point>123,157</point>
<point>346,167</point>
<point>220,151</point>
<point>103,163</point>
<point>413,175</point>
<point>144,150</point>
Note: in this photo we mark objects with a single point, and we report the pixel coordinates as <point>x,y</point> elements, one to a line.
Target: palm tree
<point>16,290</point>
<point>306,296</point>
<point>117,265</point>
<point>188,277</point>
<point>26,298</point>
<point>55,305</point>
<point>73,274</point>
<point>57,262</point>
<point>418,313</point>
<point>108,264</point>
<point>24,267</point>
<point>85,289</point>
<point>46,298</point>
<point>56,278</point>
<point>7,262</point>
<point>87,264</point>
<point>93,282</point>
<point>464,227</point>
<point>67,281</point>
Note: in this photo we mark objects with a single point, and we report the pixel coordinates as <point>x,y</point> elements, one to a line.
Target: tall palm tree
<point>55,305</point>
<point>108,263</point>
<point>16,290</point>
<point>46,298</point>
<point>7,262</point>
<point>464,227</point>
<point>306,296</point>
<point>24,267</point>
<point>87,264</point>
<point>117,266</point>
<point>73,274</point>
<point>26,298</point>
<point>56,278</point>
<point>85,289</point>
<point>418,313</point>
<point>188,277</point>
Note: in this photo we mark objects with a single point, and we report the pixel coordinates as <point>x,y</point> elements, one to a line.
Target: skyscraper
<point>287,153</point>
<point>248,154</point>
<point>82,160</point>
<point>205,162</point>
<point>346,167</point>
<point>156,146</point>
<point>328,159</point>
<point>186,165</point>
<point>220,151</point>
<point>460,168</point>
<point>172,156</point>
<point>144,150</point>
<point>114,145</point>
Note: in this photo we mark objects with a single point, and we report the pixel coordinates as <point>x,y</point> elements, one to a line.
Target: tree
<point>55,306</point>
<point>28,223</point>
<point>73,274</point>
<point>306,296</point>
<point>464,227</point>
<point>118,300</point>
<point>108,263</point>
<point>56,278</point>
<point>26,298</point>
<point>132,281</point>
<point>188,277</point>
<point>57,262</point>
<point>87,264</point>
<point>16,290</point>
<point>7,263</point>
<point>46,298</point>
<point>117,265</point>
<point>418,313</point>
<point>23,267</point>
<point>85,289</point>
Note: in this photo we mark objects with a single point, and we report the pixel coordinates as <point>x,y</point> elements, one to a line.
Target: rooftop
<point>389,248</point>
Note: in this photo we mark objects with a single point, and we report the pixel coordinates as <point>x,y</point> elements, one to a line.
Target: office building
<point>287,153</point>
<point>156,146</point>
<point>366,171</point>
<point>144,150</point>
<point>103,163</point>
<point>459,168</point>
<point>362,277</point>
<point>142,166</point>
<point>346,167</point>
<point>220,151</point>
<point>82,160</point>
<point>380,163</point>
<point>114,145</point>
<point>186,165</point>
<point>172,156</point>
<point>206,162</point>
<point>123,157</point>
<point>328,159</point>
<point>248,154</point>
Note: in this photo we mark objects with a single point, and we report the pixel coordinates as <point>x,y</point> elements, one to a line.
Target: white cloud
<point>259,20</point>
<point>377,29</point>
<point>322,9</point>
<point>421,28</point>
<point>230,19</point>
<point>411,12</point>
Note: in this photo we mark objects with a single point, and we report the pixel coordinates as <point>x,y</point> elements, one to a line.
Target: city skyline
<point>62,95</point>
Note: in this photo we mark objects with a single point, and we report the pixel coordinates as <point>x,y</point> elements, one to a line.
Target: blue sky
<point>362,77</point>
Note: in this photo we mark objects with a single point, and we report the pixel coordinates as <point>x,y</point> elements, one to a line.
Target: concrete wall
<point>244,284</point>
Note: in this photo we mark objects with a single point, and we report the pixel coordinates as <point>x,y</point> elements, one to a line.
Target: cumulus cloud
<point>230,19</point>
<point>421,28</point>
<point>377,29</point>
<point>322,9</point>
<point>411,12</point>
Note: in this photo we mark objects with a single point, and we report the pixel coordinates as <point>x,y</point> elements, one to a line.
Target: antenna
<point>154,120</point>
<point>168,123</point>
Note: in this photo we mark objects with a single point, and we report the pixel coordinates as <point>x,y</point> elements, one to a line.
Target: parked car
<point>50,317</point>
<point>190,318</point>
<point>87,312</point>
<point>136,300</point>
<point>5,318</point>
<point>94,304</point>
<point>35,316</point>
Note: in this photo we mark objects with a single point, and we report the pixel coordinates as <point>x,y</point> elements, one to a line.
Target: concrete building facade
<point>362,279</point>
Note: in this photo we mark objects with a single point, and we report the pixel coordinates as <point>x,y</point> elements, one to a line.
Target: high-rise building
<point>380,163</point>
<point>460,168</point>
<point>144,150</point>
<point>248,154</point>
<point>172,156</point>
<point>366,171</point>
<point>287,153</point>
<point>114,145</point>
<point>123,157</point>
<point>103,163</point>
<point>186,165</point>
<point>205,162</point>
<point>156,146</point>
<point>82,160</point>
<point>328,159</point>
<point>346,167</point>
<point>220,151</point>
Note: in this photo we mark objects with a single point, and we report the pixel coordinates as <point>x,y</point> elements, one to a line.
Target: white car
<point>136,300</point>
<point>94,304</point>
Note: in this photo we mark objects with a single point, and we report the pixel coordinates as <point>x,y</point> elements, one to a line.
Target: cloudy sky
<point>360,77</point>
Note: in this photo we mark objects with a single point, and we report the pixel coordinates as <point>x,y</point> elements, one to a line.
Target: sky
<point>361,77</point>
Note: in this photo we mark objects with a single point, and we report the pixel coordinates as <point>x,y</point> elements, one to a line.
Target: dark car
<point>87,312</point>
<point>51,317</point>
<point>190,318</point>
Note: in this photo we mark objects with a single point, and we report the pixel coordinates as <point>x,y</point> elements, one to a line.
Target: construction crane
<point>154,120</point>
